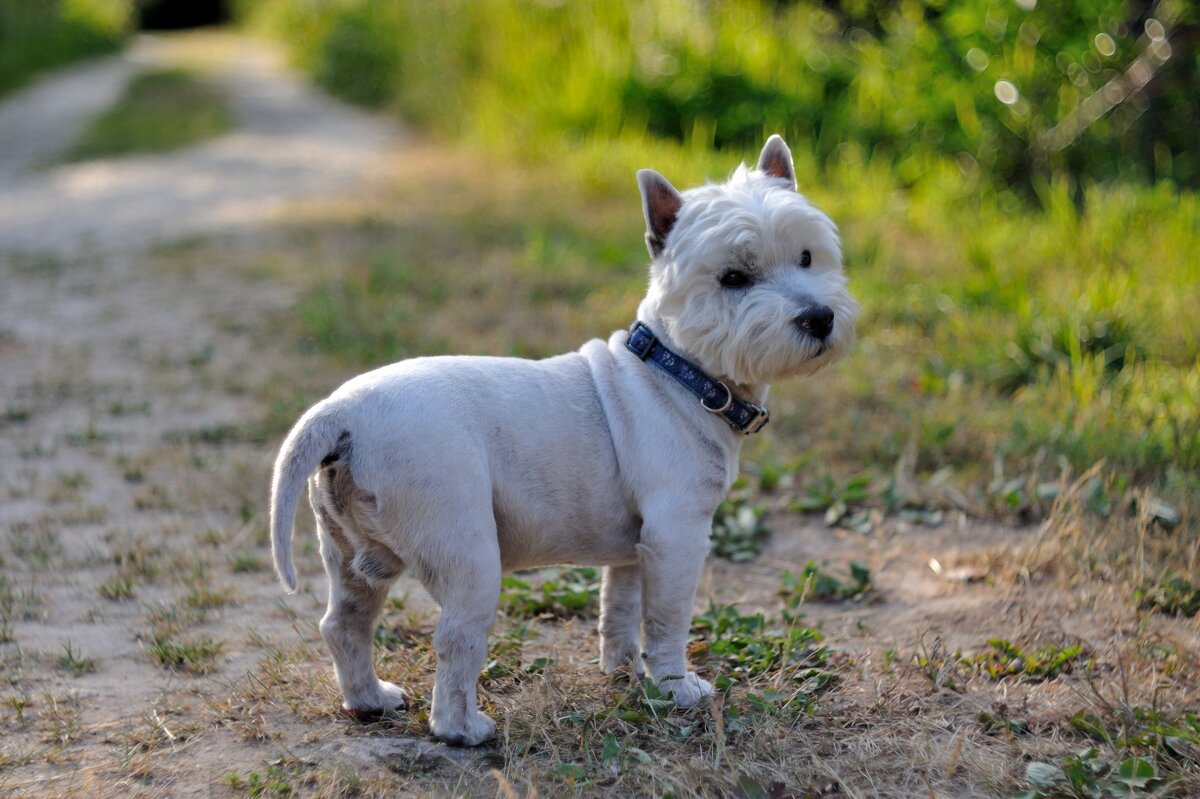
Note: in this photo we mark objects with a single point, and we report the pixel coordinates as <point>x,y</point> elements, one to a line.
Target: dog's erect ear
<point>776,160</point>
<point>661,204</point>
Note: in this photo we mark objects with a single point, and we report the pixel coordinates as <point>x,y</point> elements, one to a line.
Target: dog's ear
<point>776,160</point>
<point>661,204</point>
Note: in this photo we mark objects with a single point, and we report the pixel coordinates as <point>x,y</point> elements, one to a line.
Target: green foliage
<point>749,646</point>
<point>117,588</point>
<point>1006,659</point>
<point>1172,594</point>
<point>197,655</point>
<point>562,593</point>
<point>274,783</point>
<point>738,531</point>
<point>842,503</point>
<point>36,35</point>
<point>1090,775</point>
<point>1149,732</point>
<point>74,662</point>
<point>160,110</point>
<point>814,583</point>
<point>982,85</point>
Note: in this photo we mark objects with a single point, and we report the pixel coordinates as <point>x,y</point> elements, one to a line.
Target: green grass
<point>37,35</point>
<point>161,110</point>
<point>74,663</point>
<point>197,654</point>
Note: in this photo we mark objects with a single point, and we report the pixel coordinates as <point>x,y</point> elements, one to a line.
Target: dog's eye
<point>735,279</point>
<point>805,259</point>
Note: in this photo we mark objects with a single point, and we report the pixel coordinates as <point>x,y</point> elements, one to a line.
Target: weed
<point>276,781</point>
<point>18,702</point>
<point>738,532</point>
<point>158,729</point>
<point>117,588</point>
<point>16,604</point>
<point>1145,731</point>
<point>203,599</point>
<point>942,669</point>
<point>749,646</point>
<point>67,487</point>
<point>153,496</point>
<point>1000,721</point>
<point>246,563</point>
<point>839,501</point>
<point>58,723</point>
<point>1091,774</point>
<point>34,543</point>
<point>772,475</point>
<point>1172,594</point>
<point>74,662</point>
<point>563,592</point>
<point>197,655</point>
<point>1006,659</point>
<point>816,584</point>
<point>133,555</point>
<point>133,469</point>
<point>505,656</point>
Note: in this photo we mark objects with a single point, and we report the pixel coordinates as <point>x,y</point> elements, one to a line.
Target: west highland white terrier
<point>463,468</point>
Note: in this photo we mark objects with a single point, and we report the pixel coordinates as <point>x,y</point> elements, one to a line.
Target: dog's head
<point>746,276</point>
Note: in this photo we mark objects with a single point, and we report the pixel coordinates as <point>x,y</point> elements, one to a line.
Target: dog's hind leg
<point>466,583</point>
<point>358,585</point>
<point>621,619</point>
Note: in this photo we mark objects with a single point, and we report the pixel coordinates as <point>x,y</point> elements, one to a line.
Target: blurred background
<point>1014,181</point>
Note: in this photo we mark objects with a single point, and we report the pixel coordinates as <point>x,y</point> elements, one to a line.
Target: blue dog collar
<point>715,396</point>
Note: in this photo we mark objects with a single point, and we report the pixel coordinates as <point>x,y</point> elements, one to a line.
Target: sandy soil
<point>128,374</point>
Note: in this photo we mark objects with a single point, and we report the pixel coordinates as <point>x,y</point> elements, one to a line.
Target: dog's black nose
<point>817,321</point>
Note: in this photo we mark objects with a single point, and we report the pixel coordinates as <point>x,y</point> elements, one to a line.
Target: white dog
<point>462,468</point>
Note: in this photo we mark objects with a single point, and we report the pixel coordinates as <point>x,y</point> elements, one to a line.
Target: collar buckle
<point>758,421</point>
<point>641,340</point>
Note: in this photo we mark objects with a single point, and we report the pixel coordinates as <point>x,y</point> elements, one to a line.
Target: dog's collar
<point>715,396</point>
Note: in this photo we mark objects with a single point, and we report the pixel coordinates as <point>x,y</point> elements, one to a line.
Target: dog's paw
<point>617,656</point>
<point>471,730</point>
<point>387,698</point>
<point>392,696</point>
<point>686,691</point>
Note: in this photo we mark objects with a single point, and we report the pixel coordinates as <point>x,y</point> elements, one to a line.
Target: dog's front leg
<point>621,619</point>
<point>671,566</point>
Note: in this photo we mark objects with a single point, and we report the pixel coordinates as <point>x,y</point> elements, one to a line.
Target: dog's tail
<point>311,440</point>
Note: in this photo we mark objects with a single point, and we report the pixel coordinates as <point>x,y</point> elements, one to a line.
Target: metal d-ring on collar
<point>715,396</point>
<point>728,400</point>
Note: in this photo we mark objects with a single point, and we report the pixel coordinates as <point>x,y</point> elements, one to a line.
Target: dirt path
<point>116,363</point>
<point>291,143</point>
<point>132,371</point>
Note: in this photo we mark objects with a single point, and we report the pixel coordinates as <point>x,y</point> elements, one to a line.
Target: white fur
<point>461,468</point>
